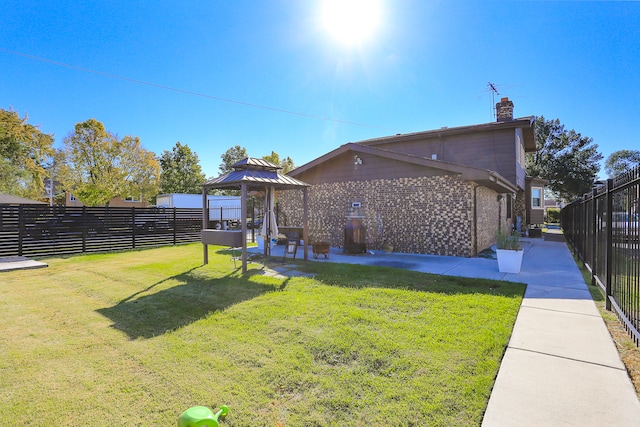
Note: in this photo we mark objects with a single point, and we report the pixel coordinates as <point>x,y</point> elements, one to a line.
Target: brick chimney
<point>504,110</point>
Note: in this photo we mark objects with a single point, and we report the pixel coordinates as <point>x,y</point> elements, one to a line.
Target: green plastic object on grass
<point>201,416</point>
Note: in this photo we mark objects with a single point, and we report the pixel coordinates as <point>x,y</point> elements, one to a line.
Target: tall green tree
<point>98,166</point>
<point>181,171</point>
<point>25,153</point>
<point>568,160</point>
<point>231,156</point>
<point>621,161</point>
<point>286,164</point>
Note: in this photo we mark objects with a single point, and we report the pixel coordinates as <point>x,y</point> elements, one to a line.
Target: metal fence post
<point>609,245</point>
<point>593,222</point>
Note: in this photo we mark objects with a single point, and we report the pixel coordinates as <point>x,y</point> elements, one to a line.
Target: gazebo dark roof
<point>257,174</point>
<point>254,163</point>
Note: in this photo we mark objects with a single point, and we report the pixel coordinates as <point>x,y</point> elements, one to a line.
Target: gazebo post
<point>305,221</point>
<point>266,219</point>
<point>243,208</point>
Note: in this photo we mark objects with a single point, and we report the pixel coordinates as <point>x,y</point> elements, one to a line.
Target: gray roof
<point>7,199</point>
<point>257,174</point>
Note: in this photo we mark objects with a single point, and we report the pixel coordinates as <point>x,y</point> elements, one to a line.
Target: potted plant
<point>509,251</point>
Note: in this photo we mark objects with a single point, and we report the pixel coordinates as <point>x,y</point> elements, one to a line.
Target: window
<point>509,206</point>
<point>131,199</point>
<point>72,198</point>
<point>536,197</point>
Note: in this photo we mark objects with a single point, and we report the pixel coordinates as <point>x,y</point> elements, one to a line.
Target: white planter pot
<point>509,261</point>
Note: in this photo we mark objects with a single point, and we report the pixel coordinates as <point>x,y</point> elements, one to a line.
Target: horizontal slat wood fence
<point>58,230</point>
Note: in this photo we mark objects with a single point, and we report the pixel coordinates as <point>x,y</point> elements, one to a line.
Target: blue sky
<point>269,75</point>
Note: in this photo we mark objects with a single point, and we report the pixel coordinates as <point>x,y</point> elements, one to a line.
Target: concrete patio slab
<point>19,263</point>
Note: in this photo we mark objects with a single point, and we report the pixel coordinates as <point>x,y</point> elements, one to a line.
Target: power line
<point>187,92</point>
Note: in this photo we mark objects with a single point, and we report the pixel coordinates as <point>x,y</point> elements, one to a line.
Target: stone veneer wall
<point>487,211</point>
<point>520,209</point>
<point>429,215</point>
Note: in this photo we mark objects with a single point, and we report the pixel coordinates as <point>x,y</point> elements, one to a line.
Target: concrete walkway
<point>561,367</point>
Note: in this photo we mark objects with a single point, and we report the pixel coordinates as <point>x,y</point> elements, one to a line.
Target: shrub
<point>508,239</point>
<point>553,215</point>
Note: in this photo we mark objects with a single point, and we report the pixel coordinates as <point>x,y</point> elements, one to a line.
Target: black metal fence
<point>603,229</point>
<point>44,231</point>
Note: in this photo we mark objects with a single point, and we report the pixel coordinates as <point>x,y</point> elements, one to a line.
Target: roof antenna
<point>494,91</point>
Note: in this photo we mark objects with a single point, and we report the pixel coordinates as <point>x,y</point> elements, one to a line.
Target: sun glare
<point>351,21</point>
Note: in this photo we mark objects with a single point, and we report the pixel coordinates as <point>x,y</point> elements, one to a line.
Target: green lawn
<point>135,338</point>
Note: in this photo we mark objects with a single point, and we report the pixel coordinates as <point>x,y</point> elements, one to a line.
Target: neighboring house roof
<point>7,199</point>
<point>525,123</point>
<point>537,181</point>
<point>257,174</point>
<point>485,177</point>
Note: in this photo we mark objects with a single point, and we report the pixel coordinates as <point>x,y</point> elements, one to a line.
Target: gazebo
<point>251,175</point>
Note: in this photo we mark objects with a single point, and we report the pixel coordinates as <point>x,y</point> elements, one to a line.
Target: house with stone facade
<point>444,191</point>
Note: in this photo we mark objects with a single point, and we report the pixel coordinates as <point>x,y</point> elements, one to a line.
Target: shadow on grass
<point>150,312</point>
<point>392,277</point>
<point>143,315</point>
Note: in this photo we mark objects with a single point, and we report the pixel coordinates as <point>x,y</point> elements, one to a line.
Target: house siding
<point>521,168</point>
<point>342,168</point>
<point>534,215</point>
<point>429,214</point>
<point>493,150</point>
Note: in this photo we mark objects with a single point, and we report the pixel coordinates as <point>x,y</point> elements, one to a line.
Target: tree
<point>98,166</point>
<point>24,155</point>
<point>140,170</point>
<point>231,156</point>
<point>621,161</point>
<point>286,164</point>
<point>181,171</point>
<point>568,160</point>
